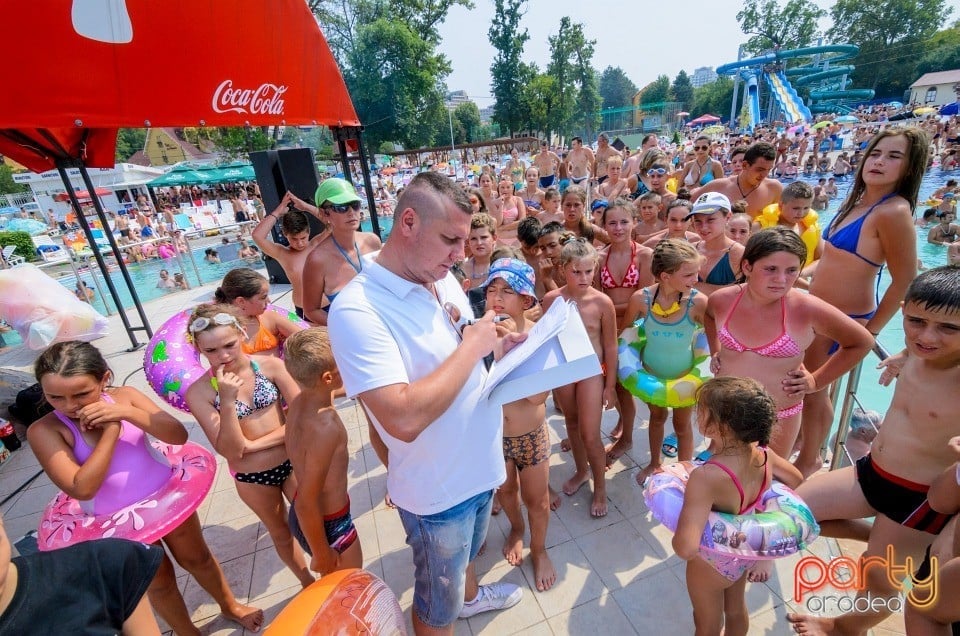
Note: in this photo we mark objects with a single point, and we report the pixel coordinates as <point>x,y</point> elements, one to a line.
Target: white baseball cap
<point>709,203</point>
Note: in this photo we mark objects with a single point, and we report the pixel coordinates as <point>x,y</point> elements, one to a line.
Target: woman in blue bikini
<point>866,234</point>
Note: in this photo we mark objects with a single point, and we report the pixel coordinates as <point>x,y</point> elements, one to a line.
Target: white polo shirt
<point>387,330</point>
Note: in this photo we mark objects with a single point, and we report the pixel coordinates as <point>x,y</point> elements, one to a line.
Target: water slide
<point>788,101</point>
<point>770,65</point>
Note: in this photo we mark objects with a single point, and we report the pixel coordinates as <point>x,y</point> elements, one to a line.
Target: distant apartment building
<point>456,98</point>
<point>486,115</point>
<point>703,76</point>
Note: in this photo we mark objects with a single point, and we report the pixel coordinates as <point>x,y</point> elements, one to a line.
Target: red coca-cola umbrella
<point>91,68</point>
<point>82,195</point>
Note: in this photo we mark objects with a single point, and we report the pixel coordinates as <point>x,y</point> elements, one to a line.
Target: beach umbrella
<point>895,105</point>
<point>683,113</point>
<point>821,124</point>
<point>30,226</point>
<point>389,170</point>
<point>950,109</point>
<point>703,119</point>
<point>846,119</point>
<point>924,110</point>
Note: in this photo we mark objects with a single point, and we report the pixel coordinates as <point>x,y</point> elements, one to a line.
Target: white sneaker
<point>496,596</point>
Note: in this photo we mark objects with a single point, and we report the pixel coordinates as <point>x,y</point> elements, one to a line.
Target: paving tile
<point>32,501</point>
<point>577,583</point>
<point>618,567</point>
<point>540,629</point>
<point>225,506</point>
<point>233,538</point>
<point>237,572</point>
<point>524,614</point>
<point>273,604</point>
<point>390,533</point>
<point>270,574</point>
<point>601,617</point>
<point>654,601</point>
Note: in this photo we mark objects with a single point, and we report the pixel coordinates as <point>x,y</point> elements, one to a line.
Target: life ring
<point>672,393</point>
<point>192,469</point>
<point>784,526</point>
<point>172,364</point>
<point>347,602</point>
<point>770,217</point>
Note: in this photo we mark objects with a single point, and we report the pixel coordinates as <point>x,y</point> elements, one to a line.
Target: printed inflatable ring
<point>785,525</point>
<point>172,364</point>
<point>345,602</point>
<point>672,393</point>
<point>192,469</point>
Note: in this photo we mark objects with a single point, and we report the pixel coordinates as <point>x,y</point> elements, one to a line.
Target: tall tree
<point>505,71</point>
<point>616,89</point>
<point>571,57</point>
<point>562,70</point>
<point>540,98</point>
<point>353,29</point>
<point>942,52</point>
<point>891,35</point>
<point>394,80</point>
<point>7,184</point>
<point>468,116</point>
<point>782,27</point>
<point>682,90</point>
<point>656,91</point>
<point>713,98</point>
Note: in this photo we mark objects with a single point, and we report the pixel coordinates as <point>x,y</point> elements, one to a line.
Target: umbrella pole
<point>365,168</point>
<point>130,329</point>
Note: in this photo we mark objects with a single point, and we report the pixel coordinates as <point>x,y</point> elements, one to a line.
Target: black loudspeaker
<point>279,171</point>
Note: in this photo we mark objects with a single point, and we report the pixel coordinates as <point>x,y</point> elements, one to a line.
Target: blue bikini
<point>847,239</point>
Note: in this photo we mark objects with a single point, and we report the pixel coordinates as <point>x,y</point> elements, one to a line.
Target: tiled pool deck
<point>616,575</point>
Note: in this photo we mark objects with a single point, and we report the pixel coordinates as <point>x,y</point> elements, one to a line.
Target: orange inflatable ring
<point>346,603</point>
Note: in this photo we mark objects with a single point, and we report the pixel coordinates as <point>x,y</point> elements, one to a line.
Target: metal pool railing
<point>846,410</point>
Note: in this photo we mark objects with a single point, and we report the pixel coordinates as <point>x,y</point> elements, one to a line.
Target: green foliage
<point>236,142</point>
<point>682,90</point>
<point>467,115</point>
<point>394,80</point>
<point>892,38</point>
<point>791,26</point>
<point>616,89</point>
<point>506,71</point>
<point>713,98</point>
<point>656,91</point>
<point>571,65</point>
<point>540,99</point>
<point>25,247</point>
<point>7,184</point>
<point>129,142</point>
<point>942,52</point>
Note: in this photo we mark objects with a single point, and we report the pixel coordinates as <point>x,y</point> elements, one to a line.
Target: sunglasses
<point>656,172</point>
<point>342,208</point>
<point>221,320</point>
<point>701,147</point>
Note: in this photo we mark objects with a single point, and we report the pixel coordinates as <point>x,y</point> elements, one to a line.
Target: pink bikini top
<point>136,468</point>
<point>736,482</point>
<point>783,346</point>
<point>510,214</point>
<point>630,279</point>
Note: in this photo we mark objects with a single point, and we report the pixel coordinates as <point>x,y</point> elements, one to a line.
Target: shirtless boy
<point>580,162</point>
<point>335,262</point>
<point>752,184</point>
<point>296,229</point>
<point>316,441</point>
<point>546,163</point>
<point>509,291</point>
<point>604,152</point>
<point>908,454</point>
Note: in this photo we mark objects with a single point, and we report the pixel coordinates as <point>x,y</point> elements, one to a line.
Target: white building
<point>703,76</point>
<point>936,89</point>
<point>486,115</point>
<point>456,98</point>
<point>121,185</point>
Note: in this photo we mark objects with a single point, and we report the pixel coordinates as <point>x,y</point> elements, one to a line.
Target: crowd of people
<point>662,240</point>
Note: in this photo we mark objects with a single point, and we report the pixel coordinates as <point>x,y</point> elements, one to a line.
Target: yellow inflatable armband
<point>672,184</point>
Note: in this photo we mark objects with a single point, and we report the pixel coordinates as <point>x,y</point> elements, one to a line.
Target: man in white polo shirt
<point>403,347</point>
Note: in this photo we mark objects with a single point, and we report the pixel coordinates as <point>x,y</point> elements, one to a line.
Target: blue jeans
<point>443,545</point>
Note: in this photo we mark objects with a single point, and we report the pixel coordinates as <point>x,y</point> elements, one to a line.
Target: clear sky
<point>645,38</point>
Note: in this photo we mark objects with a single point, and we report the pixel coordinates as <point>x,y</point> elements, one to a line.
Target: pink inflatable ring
<point>172,364</point>
<point>192,469</point>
